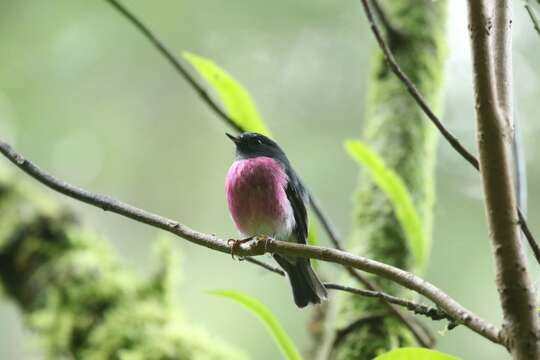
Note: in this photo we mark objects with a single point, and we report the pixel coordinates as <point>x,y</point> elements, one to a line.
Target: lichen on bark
<point>397,129</point>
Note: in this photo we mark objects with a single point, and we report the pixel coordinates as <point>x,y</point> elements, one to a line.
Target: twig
<point>178,66</point>
<point>261,246</point>
<point>514,286</point>
<point>424,338</point>
<point>411,88</point>
<point>534,18</point>
<point>393,33</point>
<point>266,266</point>
<point>451,139</point>
<point>325,221</point>
<point>430,312</point>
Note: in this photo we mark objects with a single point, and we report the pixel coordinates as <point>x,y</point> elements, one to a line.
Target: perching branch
<point>261,246</point>
<point>513,282</point>
<point>448,136</point>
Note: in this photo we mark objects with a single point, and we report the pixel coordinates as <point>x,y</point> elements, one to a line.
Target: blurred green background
<point>87,98</point>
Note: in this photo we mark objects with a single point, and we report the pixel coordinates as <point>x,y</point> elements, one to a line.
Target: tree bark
<point>77,296</point>
<point>397,129</point>
<point>494,136</point>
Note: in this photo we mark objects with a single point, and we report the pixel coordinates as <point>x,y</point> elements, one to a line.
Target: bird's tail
<point>306,286</point>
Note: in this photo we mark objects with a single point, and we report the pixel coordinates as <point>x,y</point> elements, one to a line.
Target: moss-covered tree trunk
<point>396,128</point>
<point>75,293</point>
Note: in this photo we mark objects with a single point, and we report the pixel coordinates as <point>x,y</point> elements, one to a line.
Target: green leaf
<point>240,107</point>
<point>264,314</point>
<point>415,354</point>
<point>312,238</point>
<point>394,187</point>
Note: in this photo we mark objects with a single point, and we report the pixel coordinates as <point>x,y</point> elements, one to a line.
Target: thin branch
<point>411,88</point>
<point>260,246</point>
<point>264,265</point>
<point>328,227</point>
<point>534,18</point>
<point>424,338</point>
<point>430,312</point>
<point>521,328</point>
<point>451,139</point>
<point>393,33</point>
<point>176,64</point>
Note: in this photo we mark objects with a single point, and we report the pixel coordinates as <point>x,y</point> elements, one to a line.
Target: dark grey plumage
<point>306,286</point>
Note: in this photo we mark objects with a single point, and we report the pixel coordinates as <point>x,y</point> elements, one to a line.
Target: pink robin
<point>266,197</point>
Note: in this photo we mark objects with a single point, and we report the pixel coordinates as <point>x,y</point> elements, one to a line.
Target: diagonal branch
<point>534,18</point>
<point>176,64</point>
<point>449,137</point>
<point>393,33</point>
<point>424,338</point>
<point>430,312</point>
<point>261,246</point>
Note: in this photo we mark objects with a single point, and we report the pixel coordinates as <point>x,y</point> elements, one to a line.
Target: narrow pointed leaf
<point>396,190</point>
<point>264,314</point>
<point>237,101</point>
<point>415,354</point>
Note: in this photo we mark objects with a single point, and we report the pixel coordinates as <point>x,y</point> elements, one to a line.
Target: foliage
<point>238,102</point>
<point>396,190</point>
<point>415,354</point>
<point>264,314</point>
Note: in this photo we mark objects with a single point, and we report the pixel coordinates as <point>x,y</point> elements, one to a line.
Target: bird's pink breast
<point>257,199</point>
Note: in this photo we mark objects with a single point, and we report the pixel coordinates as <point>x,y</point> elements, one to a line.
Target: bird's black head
<point>250,145</point>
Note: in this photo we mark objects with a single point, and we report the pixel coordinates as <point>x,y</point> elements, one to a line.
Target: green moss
<point>398,130</point>
<point>80,299</point>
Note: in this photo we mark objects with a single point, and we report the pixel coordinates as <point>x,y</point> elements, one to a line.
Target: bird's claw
<point>236,245</point>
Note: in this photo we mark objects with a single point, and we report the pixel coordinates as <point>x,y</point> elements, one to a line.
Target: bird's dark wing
<point>297,196</point>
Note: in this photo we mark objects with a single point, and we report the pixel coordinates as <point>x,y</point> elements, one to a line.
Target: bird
<point>266,198</point>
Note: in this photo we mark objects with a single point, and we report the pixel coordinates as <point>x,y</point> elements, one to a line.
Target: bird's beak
<point>233,138</point>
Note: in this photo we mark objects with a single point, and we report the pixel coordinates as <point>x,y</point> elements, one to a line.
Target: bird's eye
<point>258,141</point>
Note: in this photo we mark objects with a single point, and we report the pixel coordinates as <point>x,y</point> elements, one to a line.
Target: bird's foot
<point>264,238</point>
<point>235,245</point>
